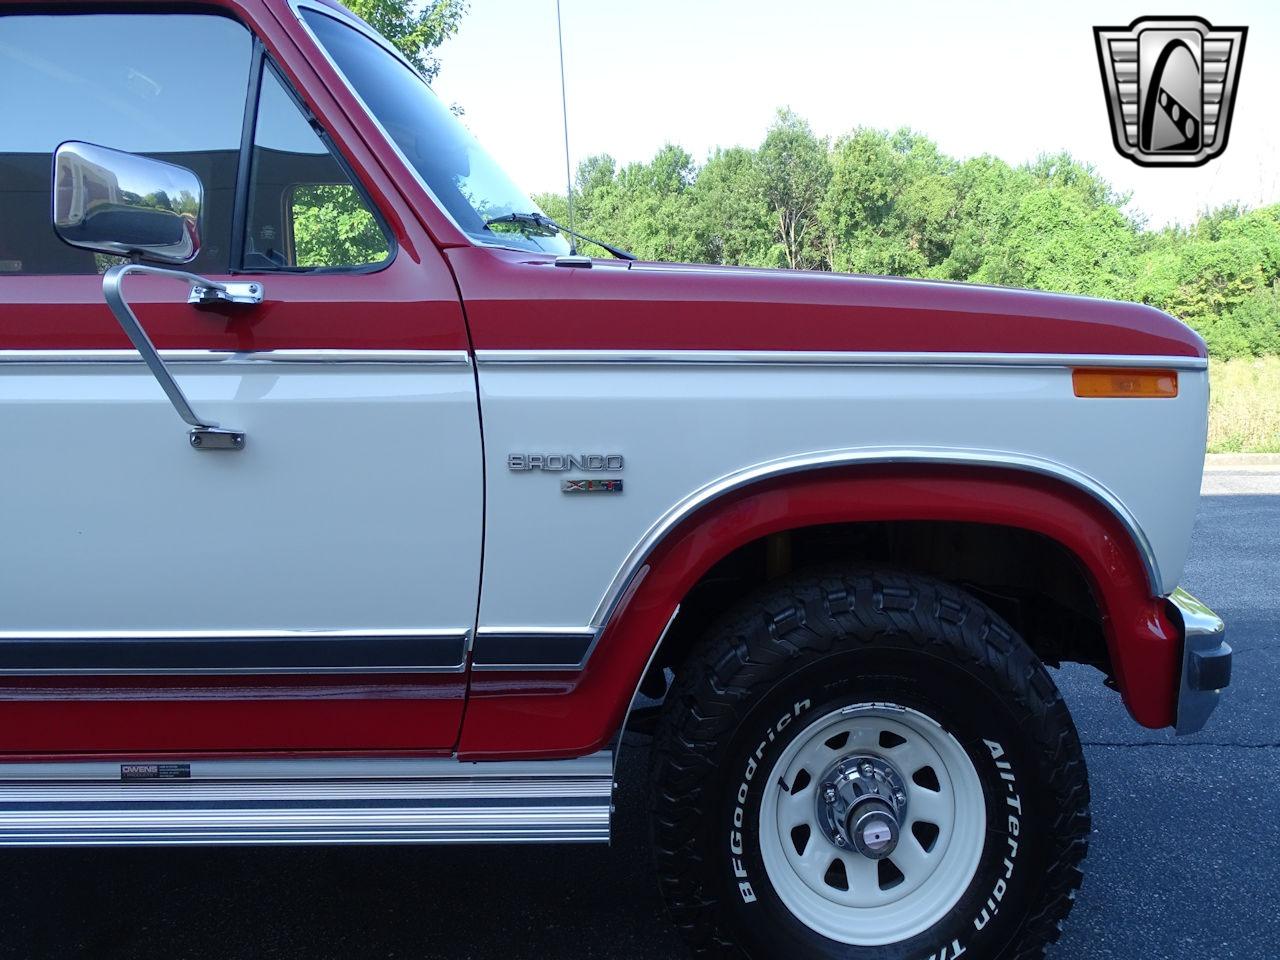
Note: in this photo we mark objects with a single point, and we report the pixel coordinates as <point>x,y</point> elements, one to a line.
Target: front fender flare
<point>573,716</point>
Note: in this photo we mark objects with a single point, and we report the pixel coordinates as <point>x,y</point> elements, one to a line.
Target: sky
<point>1013,79</point>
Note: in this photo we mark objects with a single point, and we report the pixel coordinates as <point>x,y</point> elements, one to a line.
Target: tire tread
<point>756,644</point>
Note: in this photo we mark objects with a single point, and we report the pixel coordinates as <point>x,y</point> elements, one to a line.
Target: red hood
<point>516,301</point>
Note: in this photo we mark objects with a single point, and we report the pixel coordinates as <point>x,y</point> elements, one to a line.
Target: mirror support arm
<point>204,434</point>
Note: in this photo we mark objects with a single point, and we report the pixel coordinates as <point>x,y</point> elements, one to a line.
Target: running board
<point>305,802</point>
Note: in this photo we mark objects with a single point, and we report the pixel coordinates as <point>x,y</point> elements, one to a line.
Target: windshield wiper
<point>550,227</point>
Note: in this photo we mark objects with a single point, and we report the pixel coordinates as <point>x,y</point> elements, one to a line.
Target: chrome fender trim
<point>878,456</point>
<point>830,358</point>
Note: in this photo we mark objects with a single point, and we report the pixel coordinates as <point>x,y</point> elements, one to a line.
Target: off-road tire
<point>811,645</point>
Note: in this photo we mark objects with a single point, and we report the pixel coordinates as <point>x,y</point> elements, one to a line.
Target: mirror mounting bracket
<point>204,294</point>
<point>215,438</point>
<point>204,434</point>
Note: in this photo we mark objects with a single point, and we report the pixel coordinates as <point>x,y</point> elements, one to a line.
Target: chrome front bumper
<point>1206,662</point>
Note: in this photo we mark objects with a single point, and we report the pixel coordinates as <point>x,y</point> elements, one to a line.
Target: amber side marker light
<point>1104,382</point>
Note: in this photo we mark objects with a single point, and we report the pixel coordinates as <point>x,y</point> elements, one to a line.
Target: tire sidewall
<point>987,723</point>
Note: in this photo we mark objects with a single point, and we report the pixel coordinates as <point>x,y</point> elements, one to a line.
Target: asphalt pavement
<point>1184,861</point>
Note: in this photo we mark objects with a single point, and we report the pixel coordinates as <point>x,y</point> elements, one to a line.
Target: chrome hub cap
<point>873,824</point>
<point>861,806</point>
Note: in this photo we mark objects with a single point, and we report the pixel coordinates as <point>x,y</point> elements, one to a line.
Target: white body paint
<point>356,503</point>
<point>551,559</point>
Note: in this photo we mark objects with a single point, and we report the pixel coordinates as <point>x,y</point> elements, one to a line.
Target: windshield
<point>457,170</point>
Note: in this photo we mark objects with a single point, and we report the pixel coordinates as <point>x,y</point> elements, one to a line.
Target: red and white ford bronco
<point>453,505</point>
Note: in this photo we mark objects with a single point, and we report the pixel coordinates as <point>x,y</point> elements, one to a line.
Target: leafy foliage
<point>892,203</point>
<point>333,227</point>
<point>416,29</point>
<point>795,171</point>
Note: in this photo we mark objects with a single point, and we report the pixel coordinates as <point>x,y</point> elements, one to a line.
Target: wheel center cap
<point>861,806</point>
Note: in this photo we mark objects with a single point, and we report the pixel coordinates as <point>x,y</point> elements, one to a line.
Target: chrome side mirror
<point>109,201</point>
<point>118,203</point>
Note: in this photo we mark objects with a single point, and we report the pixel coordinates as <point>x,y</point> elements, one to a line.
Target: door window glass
<point>304,210</point>
<point>167,86</point>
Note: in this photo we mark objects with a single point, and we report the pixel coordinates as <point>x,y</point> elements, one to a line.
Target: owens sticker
<point>155,771</point>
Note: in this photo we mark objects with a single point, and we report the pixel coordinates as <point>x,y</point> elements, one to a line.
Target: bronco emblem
<point>1170,84</point>
<point>562,462</point>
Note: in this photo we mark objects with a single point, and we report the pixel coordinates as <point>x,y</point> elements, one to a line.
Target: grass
<point>1244,405</point>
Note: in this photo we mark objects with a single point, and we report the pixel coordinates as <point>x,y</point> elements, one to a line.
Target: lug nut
<point>829,793</point>
<point>868,770</point>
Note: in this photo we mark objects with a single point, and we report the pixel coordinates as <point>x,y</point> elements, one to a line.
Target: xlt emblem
<point>591,486</point>
<point>1171,85</point>
<point>564,462</point>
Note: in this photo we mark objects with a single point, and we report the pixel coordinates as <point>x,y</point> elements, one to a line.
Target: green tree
<point>988,199</point>
<point>1252,329</point>
<point>1261,229</point>
<point>927,202</point>
<point>1216,277</point>
<point>1157,266</point>
<point>596,203</point>
<point>1057,241</point>
<point>729,218</point>
<point>890,206</point>
<point>858,210</point>
<point>653,206</point>
<point>893,203</point>
<point>416,29</point>
<point>594,200</point>
<point>794,171</point>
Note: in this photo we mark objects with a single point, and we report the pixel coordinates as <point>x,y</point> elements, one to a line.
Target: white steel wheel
<point>893,875</point>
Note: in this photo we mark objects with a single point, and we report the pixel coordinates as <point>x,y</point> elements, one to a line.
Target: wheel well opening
<point>1032,581</point>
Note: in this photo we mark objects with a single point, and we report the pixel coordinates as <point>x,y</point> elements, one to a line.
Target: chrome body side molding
<point>532,648</point>
<point>234,357</point>
<point>305,802</point>
<point>847,458</point>
<point>831,358</point>
<point>208,653</point>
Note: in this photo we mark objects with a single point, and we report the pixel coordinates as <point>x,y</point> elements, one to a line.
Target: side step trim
<point>307,802</point>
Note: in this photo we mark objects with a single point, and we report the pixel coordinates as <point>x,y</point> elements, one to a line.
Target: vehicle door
<point>313,588</point>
